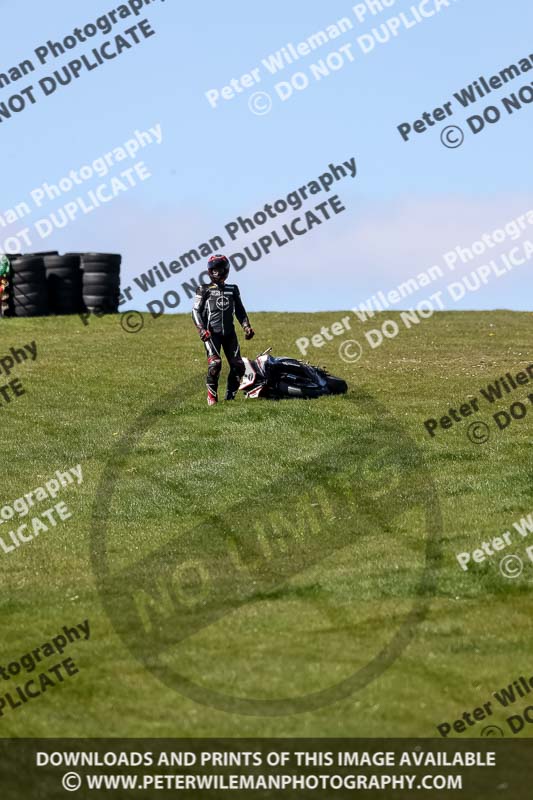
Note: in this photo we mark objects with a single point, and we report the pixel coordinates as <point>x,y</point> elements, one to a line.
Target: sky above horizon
<point>409,204</point>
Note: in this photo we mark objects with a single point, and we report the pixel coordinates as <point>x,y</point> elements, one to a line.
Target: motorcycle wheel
<point>336,385</point>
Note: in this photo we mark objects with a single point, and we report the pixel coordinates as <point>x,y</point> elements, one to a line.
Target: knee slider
<point>215,365</point>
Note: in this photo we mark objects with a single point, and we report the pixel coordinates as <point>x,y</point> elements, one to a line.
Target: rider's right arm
<point>198,309</point>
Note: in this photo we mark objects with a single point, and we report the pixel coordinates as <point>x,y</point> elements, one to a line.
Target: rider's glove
<point>205,335</point>
<point>249,333</point>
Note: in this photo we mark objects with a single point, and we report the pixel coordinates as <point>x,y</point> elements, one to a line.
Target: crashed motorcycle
<point>280,378</point>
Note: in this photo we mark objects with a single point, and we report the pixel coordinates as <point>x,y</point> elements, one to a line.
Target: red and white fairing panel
<point>248,379</point>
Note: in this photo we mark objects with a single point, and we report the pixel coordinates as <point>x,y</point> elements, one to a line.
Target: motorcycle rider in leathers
<point>213,311</point>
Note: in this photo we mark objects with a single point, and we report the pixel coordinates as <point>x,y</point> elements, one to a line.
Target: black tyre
<point>31,298</point>
<point>63,262</point>
<point>108,258</point>
<point>58,282</point>
<point>63,272</point>
<point>62,295</point>
<point>28,264</point>
<point>102,280</point>
<point>65,309</point>
<point>26,258</point>
<point>100,267</point>
<point>101,297</point>
<point>65,299</point>
<point>31,302</point>
<point>44,254</point>
<point>30,311</point>
<point>34,286</point>
<point>66,291</point>
<point>30,288</point>
<point>25,276</point>
<point>25,296</point>
<point>101,291</point>
<point>64,281</point>
<point>337,385</point>
<point>100,303</point>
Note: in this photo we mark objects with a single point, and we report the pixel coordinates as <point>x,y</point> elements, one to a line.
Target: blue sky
<point>410,203</point>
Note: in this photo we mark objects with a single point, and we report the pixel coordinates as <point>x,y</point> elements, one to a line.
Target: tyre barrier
<point>49,283</point>
<point>64,283</point>
<point>101,282</point>
<point>28,286</point>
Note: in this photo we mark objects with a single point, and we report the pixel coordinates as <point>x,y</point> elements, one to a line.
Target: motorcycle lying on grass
<point>281,378</point>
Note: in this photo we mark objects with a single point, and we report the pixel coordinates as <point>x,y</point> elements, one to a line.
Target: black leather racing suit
<point>214,308</point>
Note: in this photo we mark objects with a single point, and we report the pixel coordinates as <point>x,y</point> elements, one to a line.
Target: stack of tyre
<point>64,283</point>
<point>101,282</point>
<point>29,296</point>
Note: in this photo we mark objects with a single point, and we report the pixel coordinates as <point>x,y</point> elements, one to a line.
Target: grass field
<point>296,534</point>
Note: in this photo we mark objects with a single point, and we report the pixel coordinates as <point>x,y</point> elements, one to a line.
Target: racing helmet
<point>218,268</point>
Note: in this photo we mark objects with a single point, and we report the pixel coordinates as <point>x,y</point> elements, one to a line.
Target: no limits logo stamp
<point>248,557</point>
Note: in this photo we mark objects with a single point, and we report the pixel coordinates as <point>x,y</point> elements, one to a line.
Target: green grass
<point>338,489</point>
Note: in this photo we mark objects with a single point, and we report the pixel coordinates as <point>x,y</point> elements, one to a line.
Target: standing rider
<point>213,311</point>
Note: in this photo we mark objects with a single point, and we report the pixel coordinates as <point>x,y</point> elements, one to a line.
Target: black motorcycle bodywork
<point>281,378</point>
